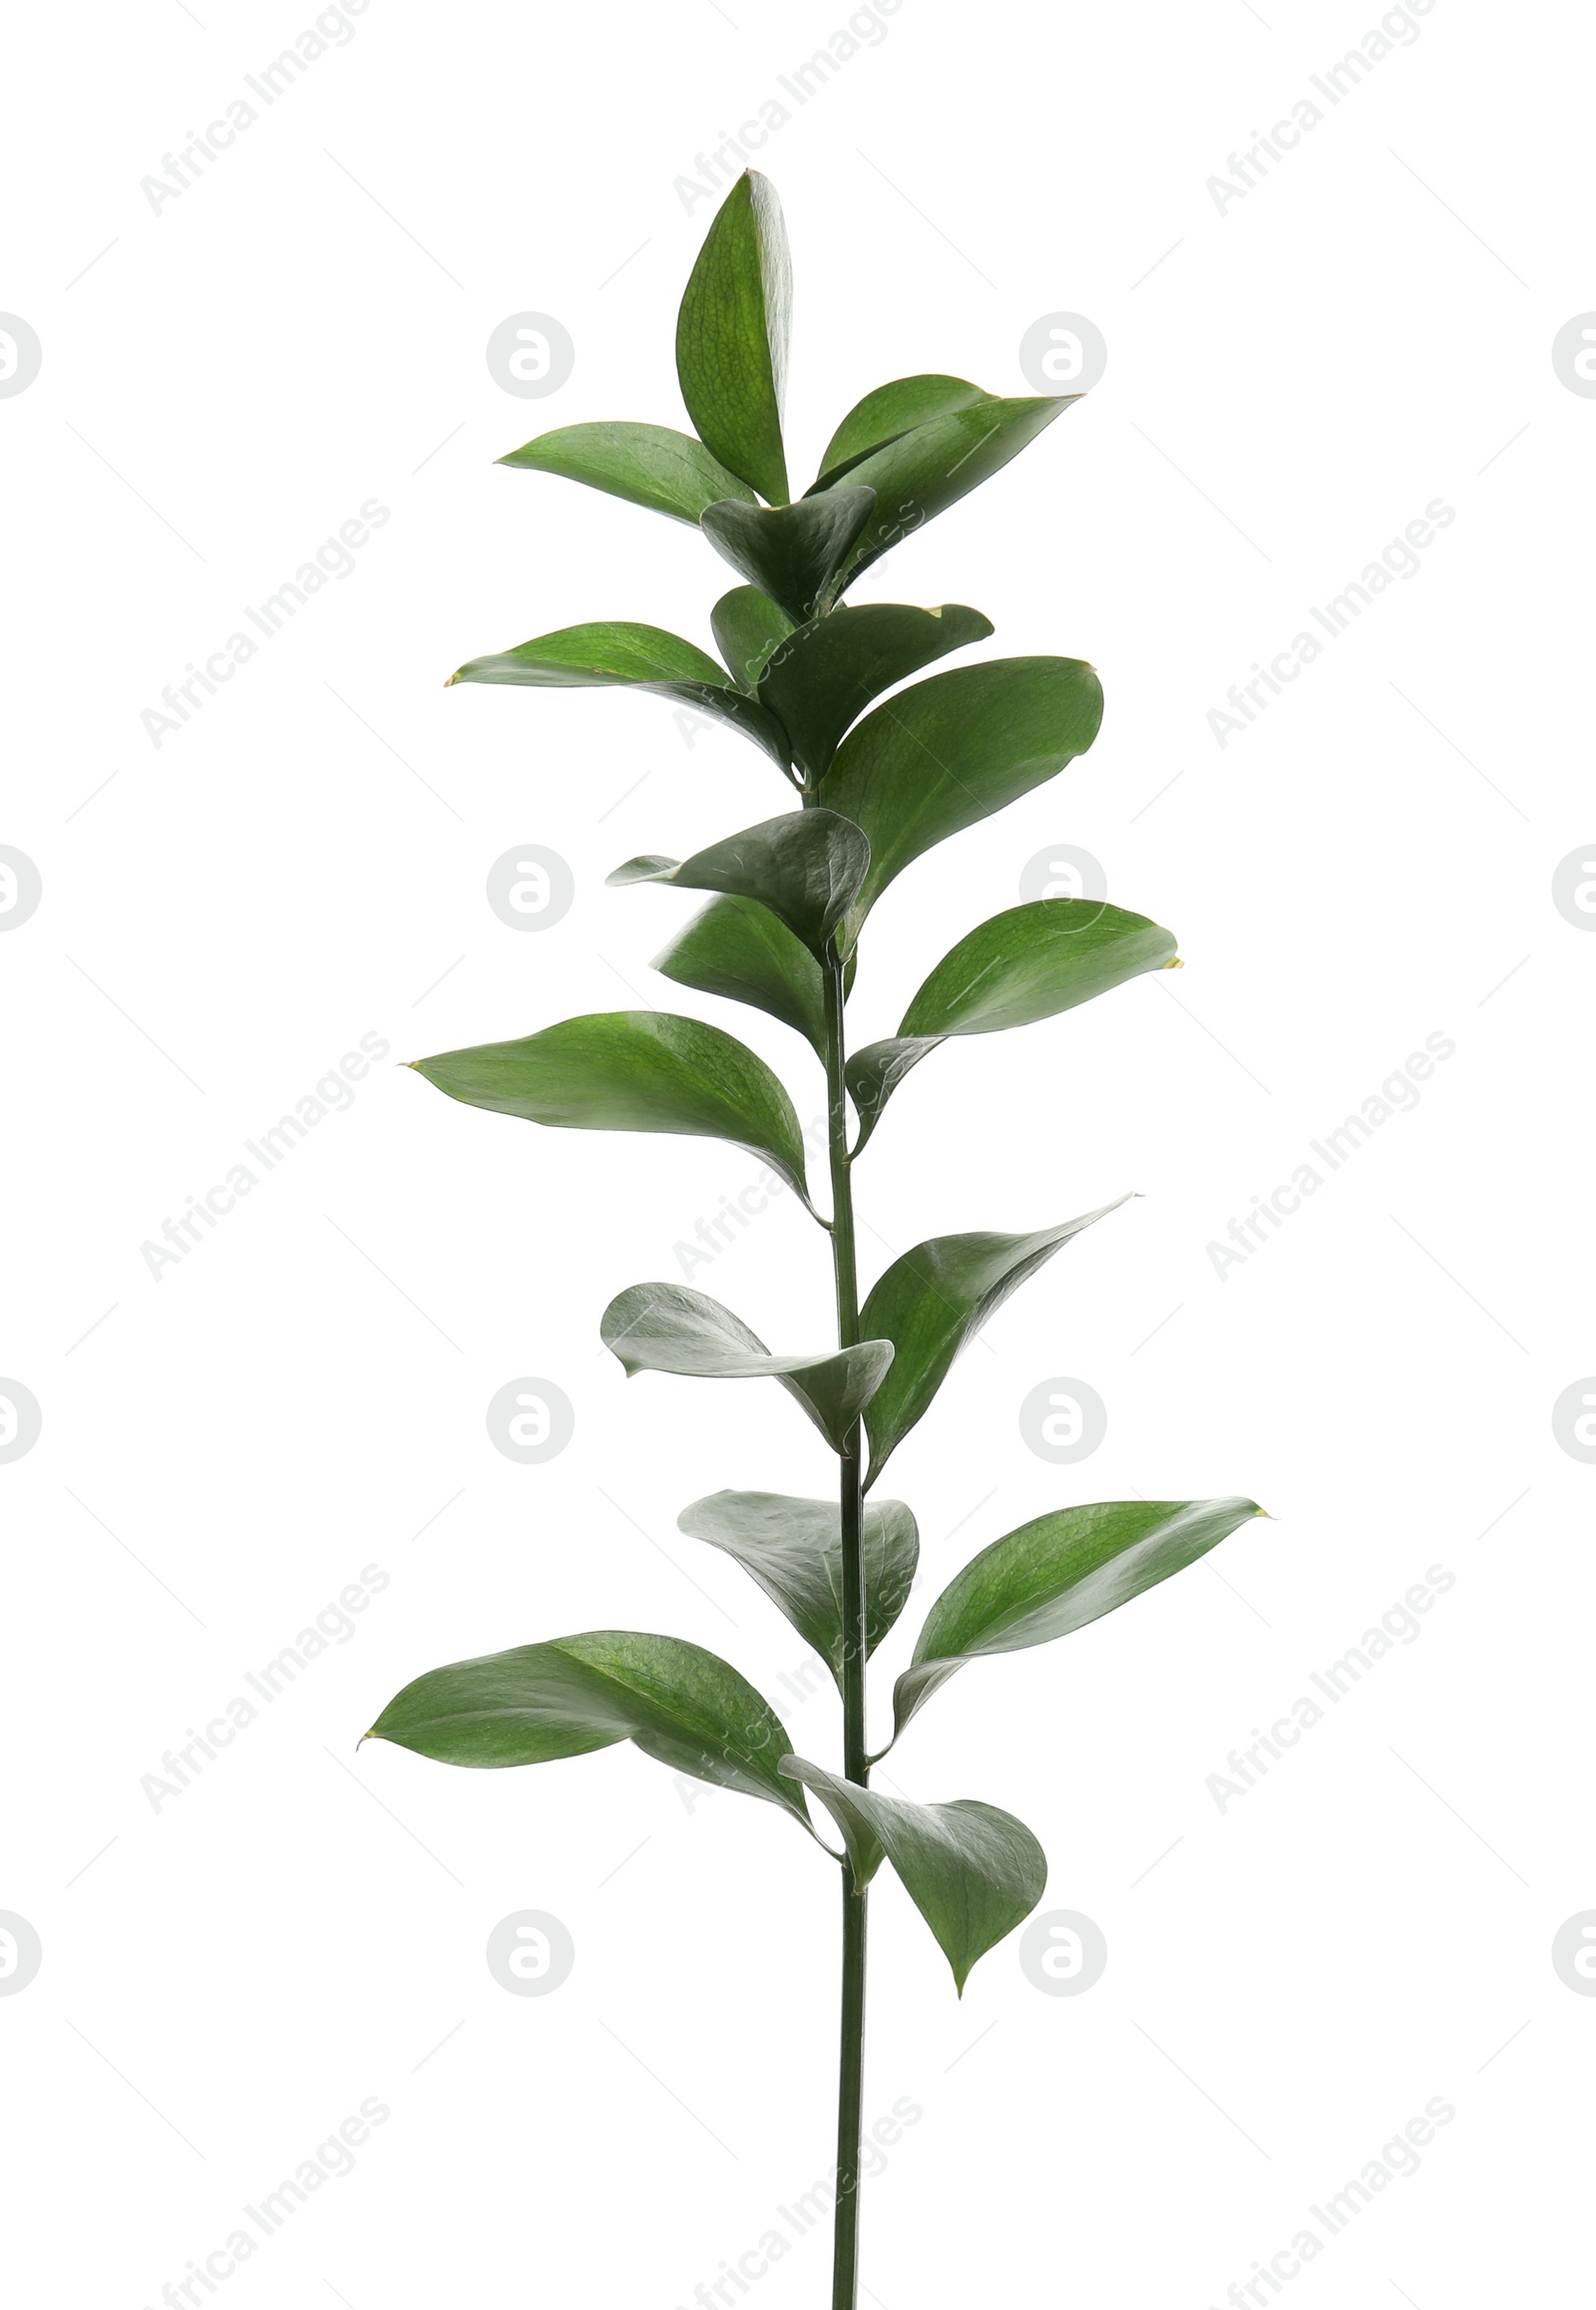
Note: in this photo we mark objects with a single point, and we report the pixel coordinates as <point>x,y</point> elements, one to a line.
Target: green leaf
<point>930,1303</point>
<point>631,1070</point>
<point>1028,963</point>
<point>735,948</point>
<point>616,653</point>
<point>667,1327</point>
<point>679,1704</point>
<point>923,472</point>
<point>806,868</point>
<point>821,679</point>
<point>649,465</point>
<point>791,552</point>
<point>793,1549</point>
<point>873,1073</point>
<point>1056,1574</point>
<point>1033,962</point>
<point>747,625</point>
<point>971,1872</point>
<point>890,411</point>
<point>952,750</point>
<point>731,336</point>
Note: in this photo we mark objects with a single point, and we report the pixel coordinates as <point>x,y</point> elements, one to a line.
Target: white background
<point>1290,380</point>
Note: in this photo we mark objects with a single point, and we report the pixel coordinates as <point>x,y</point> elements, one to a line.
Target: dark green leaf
<point>631,1070</point>
<point>747,626</point>
<point>932,466</point>
<point>667,1327</point>
<point>952,750</point>
<point>1056,1574</point>
<point>930,1303</point>
<point>873,1073</point>
<point>1028,963</point>
<point>649,465</point>
<point>679,1704</point>
<point>971,1872</point>
<point>890,411</point>
<point>737,949</point>
<point>791,552</point>
<point>616,653</point>
<point>731,336</point>
<point>793,1549</point>
<point>823,678</point>
<point>806,868</point>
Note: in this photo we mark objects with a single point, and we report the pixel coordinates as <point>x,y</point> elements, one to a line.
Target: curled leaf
<point>791,552</point>
<point>731,336</point>
<point>793,1550</point>
<point>667,1327</point>
<point>806,868</point>
<point>972,1872</point>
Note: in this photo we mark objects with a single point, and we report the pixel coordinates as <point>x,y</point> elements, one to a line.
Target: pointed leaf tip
<point>669,1328</point>
<point>971,1872</point>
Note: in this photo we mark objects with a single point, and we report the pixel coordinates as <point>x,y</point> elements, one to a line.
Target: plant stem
<point>856,1765</point>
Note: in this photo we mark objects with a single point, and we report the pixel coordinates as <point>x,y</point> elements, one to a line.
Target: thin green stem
<point>856,1762</point>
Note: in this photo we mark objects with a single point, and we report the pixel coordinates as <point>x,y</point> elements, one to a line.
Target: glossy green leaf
<point>890,411</point>
<point>1033,962</point>
<point>736,947</point>
<point>806,868</point>
<point>1028,963</point>
<point>793,1549</point>
<point>930,1303</point>
<point>953,749</point>
<point>1056,1574</point>
<point>972,1872</point>
<point>873,1073</point>
<point>933,466</point>
<point>825,675</point>
<point>537,1703</point>
<point>791,552</point>
<point>618,654</point>
<point>747,625</point>
<point>667,1327</point>
<point>631,1070</point>
<point>731,336</point>
<point>649,465</point>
